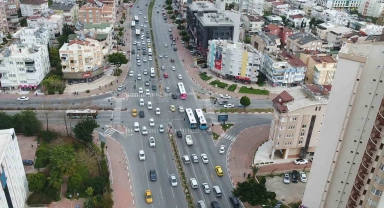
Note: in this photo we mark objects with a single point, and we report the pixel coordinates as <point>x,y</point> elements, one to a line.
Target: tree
<point>54,56</point>
<point>89,191</point>
<point>27,123</point>
<point>245,101</point>
<point>83,130</point>
<point>312,22</point>
<point>168,2</point>
<point>185,38</point>
<point>62,159</point>
<point>6,121</point>
<point>183,33</point>
<point>252,192</point>
<point>23,22</point>
<point>53,83</point>
<point>55,179</point>
<point>247,40</point>
<point>36,181</point>
<point>75,181</point>
<point>121,33</point>
<point>67,30</point>
<point>62,39</point>
<point>117,59</point>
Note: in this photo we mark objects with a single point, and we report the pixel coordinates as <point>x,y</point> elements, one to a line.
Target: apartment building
<point>252,7</point>
<point>298,21</point>
<point>320,68</point>
<point>52,22</point>
<point>336,17</point>
<point>339,4</point>
<point>252,24</point>
<point>266,42</point>
<point>14,182</point>
<point>33,35</point>
<point>297,121</point>
<point>82,59</point>
<point>279,7</point>
<point>9,19</point>
<point>347,169</point>
<point>98,12</point>
<point>234,61</point>
<point>280,31</point>
<point>283,69</point>
<point>33,7</point>
<point>193,7</point>
<point>371,8</point>
<point>69,10</point>
<point>322,29</point>
<point>303,41</point>
<point>336,35</point>
<point>23,66</point>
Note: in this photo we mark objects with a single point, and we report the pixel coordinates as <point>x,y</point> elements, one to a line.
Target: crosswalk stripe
<point>109,132</point>
<point>153,94</point>
<point>153,131</point>
<point>229,137</point>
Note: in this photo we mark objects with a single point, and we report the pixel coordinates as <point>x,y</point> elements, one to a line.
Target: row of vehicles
<point>193,123</point>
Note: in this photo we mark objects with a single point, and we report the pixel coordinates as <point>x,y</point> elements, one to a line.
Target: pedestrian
<point>244,175</point>
<point>32,145</point>
<point>184,119</point>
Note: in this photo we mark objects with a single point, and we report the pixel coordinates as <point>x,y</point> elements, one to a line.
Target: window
<point>291,127</point>
<point>300,142</point>
<point>293,118</point>
<point>381,168</point>
<point>302,133</point>
<point>376,192</point>
<point>277,144</point>
<point>282,128</point>
<point>379,180</point>
<point>304,126</point>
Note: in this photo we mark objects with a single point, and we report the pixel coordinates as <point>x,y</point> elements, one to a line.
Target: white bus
<point>87,113</point>
<point>201,118</point>
<point>153,72</point>
<point>149,51</point>
<point>191,118</point>
<point>133,24</point>
<point>182,92</point>
<point>136,19</point>
<point>137,32</point>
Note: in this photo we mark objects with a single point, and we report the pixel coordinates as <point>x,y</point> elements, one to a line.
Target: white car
<point>145,72</point>
<point>165,56</point>
<point>161,128</point>
<point>140,13</point>
<point>120,88</point>
<point>157,111</point>
<point>23,98</point>
<point>143,42</point>
<point>134,42</point>
<point>141,155</point>
<point>194,158</point>
<point>222,149</point>
<point>141,25</point>
<point>144,59</point>
<point>138,76</point>
<point>145,17</point>
<point>124,53</point>
<point>173,180</point>
<point>148,40</point>
<point>186,159</point>
<point>194,183</point>
<point>180,77</point>
<point>300,161</point>
<point>204,158</point>
<point>144,130</point>
<point>142,38</point>
<point>145,25</point>
<point>152,142</point>
<point>303,177</point>
<point>206,188</point>
<point>165,45</point>
<point>229,105</point>
<point>226,96</point>
<point>141,90</point>
<point>173,68</point>
<point>181,109</point>
<point>149,58</point>
<point>160,56</point>
<point>146,21</point>
<point>131,73</point>
<point>151,122</point>
<point>147,92</point>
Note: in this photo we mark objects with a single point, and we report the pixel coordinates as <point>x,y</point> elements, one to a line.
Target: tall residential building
<point>253,7</point>
<point>304,41</point>
<point>236,61</point>
<point>54,23</point>
<point>23,66</point>
<point>348,167</point>
<point>297,120</point>
<point>320,69</point>
<point>252,24</point>
<point>33,35</point>
<point>336,4</point>
<point>33,7</point>
<point>14,184</point>
<point>82,59</point>
<point>9,19</point>
<point>371,8</point>
<point>68,9</point>
<point>98,12</point>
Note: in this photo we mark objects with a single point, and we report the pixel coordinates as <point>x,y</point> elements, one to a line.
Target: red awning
<point>25,86</point>
<point>30,86</point>
<point>20,86</point>
<point>243,78</point>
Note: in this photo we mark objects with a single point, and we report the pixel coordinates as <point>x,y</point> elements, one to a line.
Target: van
<point>153,72</point>
<point>201,204</point>
<point>149,105</point>
<point>136,126</point>
<point>141,102</point>
<point>217,191</point>
<point>194,183</point>
<point>149,51</point>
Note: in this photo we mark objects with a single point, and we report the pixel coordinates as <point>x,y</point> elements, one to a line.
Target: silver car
<point>206,188</point>
<point>286,178</point>
<point>173,180</point>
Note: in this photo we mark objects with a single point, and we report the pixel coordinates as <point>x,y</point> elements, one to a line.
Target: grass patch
<point>232,87</point>
<point>246,110</point>
<point>204,76</point>
<point>219,84</point>
<point>215,136</point>
<point>250,90</point>
<point>225,127</point>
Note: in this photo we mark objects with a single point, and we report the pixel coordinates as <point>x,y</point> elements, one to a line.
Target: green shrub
<point>189,47</point>
<point>263,180</point>
<point>204,76</point>
<point>51,91</point>
<point>168,8</point>
<point>180,27</point>
<point>173,17</point>
<point>271,195</point>
<point>48,136</point>
<point>232,87</point>
<point>245,89</point>
<point>88,91</point>
<point>170,12</point>
<point>219,84</point>
<point>37,198</point>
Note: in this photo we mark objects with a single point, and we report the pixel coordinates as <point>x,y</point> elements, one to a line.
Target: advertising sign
<point>222,117</point>
<point>86,75</point>
<point>218,57</point>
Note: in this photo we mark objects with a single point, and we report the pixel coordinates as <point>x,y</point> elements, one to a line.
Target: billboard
<point>218,57</point>
<point>222,117</point>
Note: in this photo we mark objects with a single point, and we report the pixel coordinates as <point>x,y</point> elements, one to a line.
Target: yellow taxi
<point>149,45</point>
<point>219,171</point>
<point>134,112</point>
<point>172,108</point>
<point>148,196</point>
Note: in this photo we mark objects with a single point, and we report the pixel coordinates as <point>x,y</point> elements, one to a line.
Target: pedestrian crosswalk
<point>109,132</point>
<point>229,137</point>
<point>154,94</point>
<point>156,130</point>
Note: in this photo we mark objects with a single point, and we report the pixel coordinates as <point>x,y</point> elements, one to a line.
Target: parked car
<point>300,161</point>
<point>286,178</point>
<point>229,105</point>
<point>294,176</point>
<point>27,162</point>
<point>226,96</point>
<point>303,177</point>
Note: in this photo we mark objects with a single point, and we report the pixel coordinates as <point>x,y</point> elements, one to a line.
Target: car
<point>300,161</point>
<point>147,83</point>
<point>141,25</point>
<point>165,56</point>
<point>229,105</point>
<point>215,204</point>
<point>144,130</point>
<point>160,56</point>
<point>174,49</point>
<point>27,162</point>
<point>204,158</point>
<point>167,89</point>
<point>162,67</point>
<point>151,122</point>
<point>303,177</point>
<point>133,52</point>
<point>223,102</point>
<point>226,96</point>
<point>149,58</point>
<point>286,178</point>
<point>134,112</point>
<point>165,45</point>
<point>180,77</point>
<point>134,43</point>
<point>139,76</point>
<point>131,73</point>
<point>174,96</point>
<point>152,142</point>
<point>161,128</point>
<point>206,188</point>
<point>138,57</point>
<point>235,201</point>
<point>179,134</point>
<point>173,180</point>
<point>148,196</point>
<point>154,87</point>
<point>148,40</point>
<point>194,183</point>
<point>138,63</point>
<point>23,98</point>
<point>222,149</point>
<point>147,92</point>
<point>146,21</point>
<point>124,53</point>
<point>144,59</point>
<point>141,155</point>
<point>181,109</point>
<point>157,111</point>
<point>145,72</point>
<point>141,90</point>
<point>143,42</point>
<point>141,114</point>
<point>172,108</point>
<point>294,176</point>
<point>219,171</point>
<point>145,16</point>
<point>186,159</point>
<point>194,158</point>
<point>152,175</point>
<point>173,68</point>
<point>120,88</point>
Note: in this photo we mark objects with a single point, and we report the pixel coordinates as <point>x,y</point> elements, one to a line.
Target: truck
<point>188,139</point>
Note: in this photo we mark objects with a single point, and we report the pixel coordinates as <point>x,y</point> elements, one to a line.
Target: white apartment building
<point>81,59</point>
<point>33,35</point>
<point>322,29</point>
<point>253,24</point>
<point>12,175</point>
<point>33,7</point>
<point>297,121</point>
<point>237,61</point>
<point>336,34</point>
<point>53,22</point>
<point>68,8</point>
<point>347,169</point>
<point>24,66</point>
<point>8,15</point>
<point>339,4</point>
<point>371,8</point>
<point>252,7</point>
<point>335,17</point>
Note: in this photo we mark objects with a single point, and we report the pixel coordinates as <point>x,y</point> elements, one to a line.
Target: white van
<point>149,105</point>
<point>136,127</point>
<point>153,72</point>
<point>149,51</point>
<point>141,102</point>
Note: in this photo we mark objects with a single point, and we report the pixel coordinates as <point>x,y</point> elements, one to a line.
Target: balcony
<point>30,63</point>
<point>3,69</point>
<point>31,70</point>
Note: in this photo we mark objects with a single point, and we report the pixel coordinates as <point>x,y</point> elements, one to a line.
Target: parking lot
<point>27,147</point>
<point>287,193</point>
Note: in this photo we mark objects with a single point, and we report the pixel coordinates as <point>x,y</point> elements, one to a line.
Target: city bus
<point>183,93</point>
<point>133,24</point>
<point>77,114</point>
<point>137,32</point>
<point>136,19</point>
<point>201,119</point>
<point>191,118</point>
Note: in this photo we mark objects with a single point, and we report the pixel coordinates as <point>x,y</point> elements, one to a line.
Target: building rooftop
<point>98,37</point>
<point>340,30</point>
<point>20,50</point>
<point>35,31</point>
<point>322,59</point>
<point>303,38</point>
<point>5,137</point>
<point>202,6</point>
<point>63,7</point>
<point>278,3</point>
<point>326,25</point>
<point>296,16</point>
<point>215,19</point>
<point>33,2</point>
<point>101,26</point>
<point>291,59</point>
<point>300,97</point>
<point>268,38</point>
<point>272,27</point>
<point>255,18</point>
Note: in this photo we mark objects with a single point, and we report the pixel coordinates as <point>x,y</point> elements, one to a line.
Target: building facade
<point>98,12</point>
<point>9,19</point>
<point>33,35</point>
<point>235,61</point>
<point>252,7</point>
<point>280,31</point>
<point>266,42</point>
<point>54,23</point>
<point>297,121</point>
<point>13,180</point>
<point>371,8</point>
<point>304,41</point>
<point>337,4</point>
<point>347,169</point>
<point>320,69</point>
<point>69,10</point>
<point>322,29</point>
<point>33,7</point>
<point>252,24</point>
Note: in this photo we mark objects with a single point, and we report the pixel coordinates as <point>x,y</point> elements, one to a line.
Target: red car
<point>165,75</point>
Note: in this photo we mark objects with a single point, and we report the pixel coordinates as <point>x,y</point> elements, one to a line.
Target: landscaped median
<point>219,84</point>
<point>250,90</point>
<point>232,88</point>
<point>204,76</point>
<point>244,110</point>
